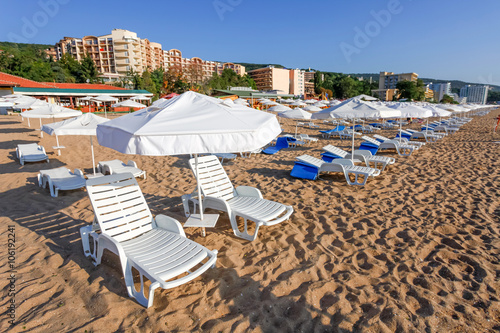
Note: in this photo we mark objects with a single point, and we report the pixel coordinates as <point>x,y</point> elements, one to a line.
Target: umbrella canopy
<point>105,98</point>
<point>189,124</point>
<point>352,108</point>
<point>409,110</point>
<point>51,111</point>
<point>311,101</point>
<point>86,124</point>
<point>295,114</point>
<point>27,102</point>
<point>298,103</point>
<point>140,98</point>
<point>312,108</point>
<point>278,108</point>
<point>270,103</point>
<point>365,97</point>
<point>240,101</point>
<point>129,103</point>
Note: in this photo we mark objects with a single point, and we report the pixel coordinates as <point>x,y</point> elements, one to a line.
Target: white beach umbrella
<point>240,101</point>
<point>298,103</point>
<point>128,104</point>
<point>320,104</point>
<point>311,101</point>
<point>104,99</point>
<point>191,123</point>
<point>353,109</point>
<point>311,108</point>
<point>86,124</point>
<point>278,108</point>
<point>297,114</point>
<point>410,110</point>
<point>140,98</point>
<point>50,111</point>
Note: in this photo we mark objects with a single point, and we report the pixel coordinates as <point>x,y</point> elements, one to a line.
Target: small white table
<point>209,221</point>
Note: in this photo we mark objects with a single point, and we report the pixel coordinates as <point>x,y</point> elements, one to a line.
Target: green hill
<point>13,47</point>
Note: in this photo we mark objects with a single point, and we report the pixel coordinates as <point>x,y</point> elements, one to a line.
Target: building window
<point>126,53</point>
<point>127,61</point>
<point>128,68</point>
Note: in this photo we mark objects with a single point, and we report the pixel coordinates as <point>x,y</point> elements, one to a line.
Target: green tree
<point>447,99</point>
<point>148,83</point>
<point>411,90</point>
<point>88,70</point>
<point>318,83</point>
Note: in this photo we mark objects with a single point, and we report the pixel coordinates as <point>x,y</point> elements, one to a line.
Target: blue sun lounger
<point>280,144</point>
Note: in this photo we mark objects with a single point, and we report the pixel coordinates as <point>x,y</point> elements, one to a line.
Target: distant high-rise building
<point>475,94</point>
<point>387,84</point>
<point>440,89</point>
<point>296,82</point>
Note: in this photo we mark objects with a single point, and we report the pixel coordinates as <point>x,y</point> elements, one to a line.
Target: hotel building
<point>475,94</point>
<point>122,51</point>
<point>387,84</point>
<point>271,78</point>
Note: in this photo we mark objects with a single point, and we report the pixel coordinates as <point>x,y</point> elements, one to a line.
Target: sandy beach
<point>417,249</point>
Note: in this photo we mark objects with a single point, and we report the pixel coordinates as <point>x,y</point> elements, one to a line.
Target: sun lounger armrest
<point>170,224</point>
<point>216,203</point>
<point>248,191</point>
<point>79,173</point>
<point>107,242</point>
<point>132,163</point>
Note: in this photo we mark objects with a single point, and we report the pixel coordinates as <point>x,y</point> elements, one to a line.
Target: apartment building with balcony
<point>122,51</point>
<point>271,79</point>
<point>387,84</point>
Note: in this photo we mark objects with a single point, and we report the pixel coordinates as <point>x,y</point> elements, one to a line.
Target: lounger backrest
<point>371,140</point>
<point>282,142</point>
<point>29,148</point>
<point>381,137</point>
<point>213,178</point>
<point>119,206</point>
<point>335,150</point>
<point>61,172</point>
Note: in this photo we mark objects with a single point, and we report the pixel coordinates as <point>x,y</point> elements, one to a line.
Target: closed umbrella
<point>86,124</point>
<point>191,123</point>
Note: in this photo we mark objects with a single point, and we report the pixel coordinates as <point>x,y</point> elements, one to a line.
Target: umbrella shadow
<point>16,167</point>
<point>255,307</point>
<point>16,130</point>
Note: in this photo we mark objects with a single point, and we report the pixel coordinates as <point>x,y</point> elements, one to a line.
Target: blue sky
<point>440,39</point>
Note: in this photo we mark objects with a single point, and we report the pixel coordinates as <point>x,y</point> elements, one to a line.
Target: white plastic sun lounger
<point>401,149</point>
<point>31,152</point>
<point>404,141</point>
<point>117,166</point>
<point>345,166</point>
<point>61,179</point>
<point>379,162</point>
<point>428,137</point>
<point>244,201</point>
<point>156,247</point>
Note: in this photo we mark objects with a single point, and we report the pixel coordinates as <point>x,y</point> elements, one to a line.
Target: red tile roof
<point>16,81</point>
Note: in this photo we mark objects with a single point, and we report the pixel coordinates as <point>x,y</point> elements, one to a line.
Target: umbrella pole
<point>200,201</point>
<point>296,124</point>
<point>353,133</point>
<point>400,128</point>
<point>41,132</point>
<point>58,149</point>
<point>92,149</point>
